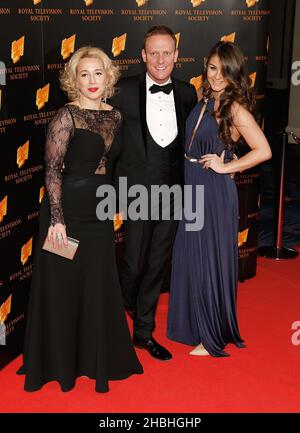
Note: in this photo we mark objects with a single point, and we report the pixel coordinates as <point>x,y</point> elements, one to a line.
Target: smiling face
<point>160,55</point>
<point>90,79</point>
<point>214,75</point>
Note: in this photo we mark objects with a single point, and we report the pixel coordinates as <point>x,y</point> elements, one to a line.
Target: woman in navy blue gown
<point>202,308</point>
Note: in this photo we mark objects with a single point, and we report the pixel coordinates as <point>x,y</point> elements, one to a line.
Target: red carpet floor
<point>264,377</point>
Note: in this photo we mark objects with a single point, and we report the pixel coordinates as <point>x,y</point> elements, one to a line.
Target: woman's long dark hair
<point>238,88</point>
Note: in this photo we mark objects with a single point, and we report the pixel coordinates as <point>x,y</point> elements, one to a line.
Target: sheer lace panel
<point>59,132</point>
<point>103,122</point>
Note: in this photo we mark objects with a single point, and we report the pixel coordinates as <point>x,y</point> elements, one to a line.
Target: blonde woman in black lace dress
<point>76,324</point>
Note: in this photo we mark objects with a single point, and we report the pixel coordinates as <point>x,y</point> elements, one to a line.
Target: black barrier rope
<point>278,251</point>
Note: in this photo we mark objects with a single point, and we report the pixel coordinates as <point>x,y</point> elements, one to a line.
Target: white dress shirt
<point>161,115</point>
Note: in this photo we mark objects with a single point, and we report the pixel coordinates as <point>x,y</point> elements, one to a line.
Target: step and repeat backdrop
<point>37,38</point>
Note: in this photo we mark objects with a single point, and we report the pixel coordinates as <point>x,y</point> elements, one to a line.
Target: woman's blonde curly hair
<point>68,75</point>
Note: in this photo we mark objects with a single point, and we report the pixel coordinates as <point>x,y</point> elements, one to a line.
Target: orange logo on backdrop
<point>5,309</point>
<point>197,81</point>
<point>42,192</point>
<point>118,44</point>
<point>22,154</point>
<point>177,36</point>
<point>42,96</point>
<point>36,2</point>
<point>141,2</point>
<point>118,221</point>
<point>252,78</point>
<point>196,3</point>
<point>26,251</point>
<point>242,238</point>
<point>251,3</point>
<point>228,38</point>
<point>17,49</point>
<point>3,208</point>
<point>88,2</point>
<point>67,46</point>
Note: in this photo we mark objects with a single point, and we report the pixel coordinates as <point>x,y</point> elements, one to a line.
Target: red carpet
<point>264,377</point>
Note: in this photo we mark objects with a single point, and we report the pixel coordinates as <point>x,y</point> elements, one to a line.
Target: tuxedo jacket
<point>131,100</point>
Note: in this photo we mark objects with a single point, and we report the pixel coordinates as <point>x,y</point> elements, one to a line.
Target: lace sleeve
<point>58,135</point>
<point>118,121</point>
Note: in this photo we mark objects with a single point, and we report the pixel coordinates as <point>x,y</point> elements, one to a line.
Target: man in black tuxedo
<point>154,107</point>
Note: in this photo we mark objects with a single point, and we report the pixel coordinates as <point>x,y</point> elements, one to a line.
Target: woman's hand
<point>215,162</point>
<point>58,236</point>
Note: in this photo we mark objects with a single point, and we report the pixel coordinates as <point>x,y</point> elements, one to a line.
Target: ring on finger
<point>59,236</point>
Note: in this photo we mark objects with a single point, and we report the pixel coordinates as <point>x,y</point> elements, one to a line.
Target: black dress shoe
<point>155,349</point>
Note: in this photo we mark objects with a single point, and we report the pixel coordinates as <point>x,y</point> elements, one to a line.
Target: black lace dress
<point>76,324</point>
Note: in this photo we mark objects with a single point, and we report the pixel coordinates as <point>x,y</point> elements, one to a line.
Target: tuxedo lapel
<point>142,102</point>
<point>179,116</point>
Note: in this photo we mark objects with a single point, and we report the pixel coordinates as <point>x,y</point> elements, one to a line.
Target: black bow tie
<point>166,88</point>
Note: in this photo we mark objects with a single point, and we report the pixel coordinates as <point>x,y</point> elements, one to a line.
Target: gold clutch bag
<point>66,252</point>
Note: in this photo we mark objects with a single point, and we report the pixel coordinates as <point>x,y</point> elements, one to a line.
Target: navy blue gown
<point>203,291</point>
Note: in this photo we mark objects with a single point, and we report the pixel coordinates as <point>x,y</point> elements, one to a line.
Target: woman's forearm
<point>252,158</point>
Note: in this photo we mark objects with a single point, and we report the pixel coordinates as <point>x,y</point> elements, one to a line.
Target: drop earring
<point>105,95</point>
<point>78,97</point>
